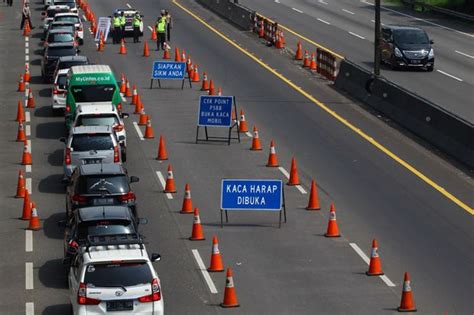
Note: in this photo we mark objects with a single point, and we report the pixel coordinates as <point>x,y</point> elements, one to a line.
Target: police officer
<point>122,25</point>
<point>117,28</point>
<point>160,26</point>
<point>137,21</point>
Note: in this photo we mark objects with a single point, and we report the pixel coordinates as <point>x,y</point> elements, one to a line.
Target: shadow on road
<point>53,274</point>
<point>44,111</point>
<point>51,227</point>
<point>59,309</point>
<point>50,130</point>
<point>51,184</point>
<point>56,158</point>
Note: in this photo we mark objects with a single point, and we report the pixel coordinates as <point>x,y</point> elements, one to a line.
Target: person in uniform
<point>137,21</point>
<point>117,29</point>
<point>160,26</point>
<point>123,21</point>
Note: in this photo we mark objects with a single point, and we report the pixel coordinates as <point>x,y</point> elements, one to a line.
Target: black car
<point>406,46</point>
<point>98,221</point>
<point>60,25</point>
<point>100,185</point>
<point>67,62</point>
<point>51,55</point>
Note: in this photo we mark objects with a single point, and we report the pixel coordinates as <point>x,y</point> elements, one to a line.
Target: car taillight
<point>68,108</point>
<point>127,197</point>
<point>116,155</point>
<point>55,89</point>
<point>118,127</point>
<point>119,106</point>
<point>67,156</point>
<point>155,293</point>
<point>78,199</point>
<point>82,299</point>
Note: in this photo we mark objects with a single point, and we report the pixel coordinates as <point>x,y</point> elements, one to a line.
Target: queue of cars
<point>110,270</point>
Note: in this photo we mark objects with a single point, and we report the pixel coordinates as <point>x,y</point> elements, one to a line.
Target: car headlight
<point>431,53</point>
<point>397,52</point>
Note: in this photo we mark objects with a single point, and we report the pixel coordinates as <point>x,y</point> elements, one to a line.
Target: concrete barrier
<point>444,130</point>
<point>238,14</point>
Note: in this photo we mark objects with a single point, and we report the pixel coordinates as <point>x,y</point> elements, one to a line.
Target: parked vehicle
<point>60,36</point>
<point>72,17</point>
<point>70,3</point>
<point>49,14</point>
<point>67,62</point>
<point>51,55</point>
<point>61,25</point>
<point>59,90</point>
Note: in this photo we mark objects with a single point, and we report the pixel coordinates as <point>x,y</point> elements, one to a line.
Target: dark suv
<point>51,55</point>
<point>67,62</point>
<point>98,221</point>
<point>406,46</point>
<point>100,185</point>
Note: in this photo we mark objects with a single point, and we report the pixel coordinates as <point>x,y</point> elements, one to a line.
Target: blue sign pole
<point>168,70</point>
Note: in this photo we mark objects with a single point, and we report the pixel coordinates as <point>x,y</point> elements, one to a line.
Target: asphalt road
<point>347,28</point>
<point>292,270</point>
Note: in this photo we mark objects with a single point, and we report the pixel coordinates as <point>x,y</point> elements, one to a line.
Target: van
<point>90,85</point>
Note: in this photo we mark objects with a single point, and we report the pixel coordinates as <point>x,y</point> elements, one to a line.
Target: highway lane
<point>449,86</point>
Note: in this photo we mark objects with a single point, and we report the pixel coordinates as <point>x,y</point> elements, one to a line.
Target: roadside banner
<point>215,111</point>
<point>103,26</point>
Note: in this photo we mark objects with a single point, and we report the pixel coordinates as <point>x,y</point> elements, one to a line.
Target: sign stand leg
<point>182,84</point>
<point>222,222</point>
<point>284,203</point>
<point>159,83</point>
<point>151,84</point>
<point>197,134</point>
<point>279,222</point>
<point>205,130</point>
<point>226,217</point>
<point>190,83</point>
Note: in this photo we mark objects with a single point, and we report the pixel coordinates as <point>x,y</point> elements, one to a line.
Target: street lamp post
<point>377,39</point>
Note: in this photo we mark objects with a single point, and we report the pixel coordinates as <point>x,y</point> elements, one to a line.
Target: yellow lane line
<point>368,138</point>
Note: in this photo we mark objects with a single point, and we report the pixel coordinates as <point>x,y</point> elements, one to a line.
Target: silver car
<point>90,145</point>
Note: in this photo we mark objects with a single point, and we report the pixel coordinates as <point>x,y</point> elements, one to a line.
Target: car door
<point>74,278</point>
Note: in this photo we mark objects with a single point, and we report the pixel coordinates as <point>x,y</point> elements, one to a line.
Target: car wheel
<point>430,68</point>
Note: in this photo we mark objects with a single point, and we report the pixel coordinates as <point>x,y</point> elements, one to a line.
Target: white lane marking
<point>449,75</point>
<point>149,27</point>
<point>347,11</point>
<point>277,1</point>
<point>285,173</point>
<point>27,57</point>
<point>28,130</point>
<point>297,10</point>
<point>128,5</point>
<point>301,189</point>
<point>322,2</point>
<point>29,276</point>
<point>464,54</point>
<point>27,51</point>
<point>30,308</point>
<point>137,128</point>
<point>28,241</point>
<point>373,21</point>
<point>357,35</point>
<point>124,100</point>
<point>419,19</point>
<point>27,44</point>
<point>28,143</point>
<point>28,185</point>
<point>27,116</point>
<point>366,259</point>
<point>27,91</point>
<point>163,183</point>
<point>204,272</point>
<point>249,134</point>
<point>27,39</point>
<point>323,21</point>
<point>27,168</point>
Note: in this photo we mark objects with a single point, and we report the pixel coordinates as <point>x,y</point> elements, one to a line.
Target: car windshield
<point>410,37</point>
<point>61,51</point>
<point>68,18</point>
<point>62,81</point>
<point>97,184</point>
<point>52,12</point>
<point>97,120</point>
<point>117,274</point>
<point>94,141</point>
<point>69,64</point>
<point>93,93</point>
<point>67,28</point>
<point>60,38</point>
<point>104,227</point>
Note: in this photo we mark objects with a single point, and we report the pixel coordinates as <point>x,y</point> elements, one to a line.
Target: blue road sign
<point>251,194</point>
<point>168,70</point>
<point>215,111</point>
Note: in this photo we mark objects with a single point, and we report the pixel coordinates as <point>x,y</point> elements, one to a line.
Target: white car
<point>72,17</point>
<point>50,13</point>
<point>70,3</point>
<point>113,274</point>
<point>47,3</point>
<point>103,115</point>
<point>59,91</point>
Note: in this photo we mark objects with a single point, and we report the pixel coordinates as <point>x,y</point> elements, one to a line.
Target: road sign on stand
<point>252,195</point>
<point>169,70</point>
<point>216,111</point>
<point>103,26</point>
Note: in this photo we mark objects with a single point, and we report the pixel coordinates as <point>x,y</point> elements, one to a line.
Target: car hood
<point>404,46</point>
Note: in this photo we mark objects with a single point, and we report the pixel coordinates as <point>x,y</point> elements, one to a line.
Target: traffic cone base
<point>197,234</point>
<point>230,297</point>
<point>216,259</point>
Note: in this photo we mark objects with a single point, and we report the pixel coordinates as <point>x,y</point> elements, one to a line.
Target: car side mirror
<point>134,179</point>
<point>62,139</point>
<point>155,257</point>
<point>125,115</point>
<point>431,42</point>
<point>142,221</point>
<point>67,261</point>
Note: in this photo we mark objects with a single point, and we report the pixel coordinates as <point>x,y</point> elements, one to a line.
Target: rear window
<point>69,64</point>
<point>52,12</point>
<point>73,19</point>
<point>62,81</point>
<point>97,120</point>
<point>87,142</point>
<point>71,5</point>
<point>68,28</point>
<point>410,37</point>
<point>93,93</point>
<point>61,51</point>
<point>104,227</point>
<point>117,275</point>
<point>60,38</point>
<point>98,184</point>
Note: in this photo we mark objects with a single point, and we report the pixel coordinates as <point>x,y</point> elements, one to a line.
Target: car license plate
<point>102,201</point>
<point>92,161</point>
<point>416,61</point>
<point>121,305</point>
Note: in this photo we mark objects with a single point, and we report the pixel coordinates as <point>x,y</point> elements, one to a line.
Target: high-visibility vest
<point>137,21</point>
<point>161,25</point>
<point>116,21</point>
<point>122,20</point>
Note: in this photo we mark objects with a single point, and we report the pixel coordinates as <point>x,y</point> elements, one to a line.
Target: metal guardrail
<point>439,10</point>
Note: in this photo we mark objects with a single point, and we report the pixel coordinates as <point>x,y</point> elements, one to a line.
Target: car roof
<point>102,254</point>
<point>98,169</point>
<point>403,27</point>
<point>104,212</point>
<point>91,69</point>
<point>61,45</point>
<point>97,109</point>
<point>91,129</point>
<point>73,58</point>
<point>58,7</point>
<point>62,23</point>
<point>67,14</point>
<point>60,30</point>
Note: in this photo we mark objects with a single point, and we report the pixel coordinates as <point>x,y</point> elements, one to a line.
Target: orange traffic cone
<point>312,65</point>
<point>123,85</point>
<point>333,230</point>
<point>128,90</point>
<point>256,145</point>
<point>166,53</point>
<point>187,201</point>
<point>20,136</point>
<point>26,158</point>
<point>306,61</point>
<point>183,56</point>
<point>153,34</point>
<point>20,186</point>
<point>189,64</point>
<point>20,113</point>
<point>191,72</point>
<point>212,89</point>
<point>230,297</point>
<point>26,206</point>
<point>143,118</point>
<point>272,157</point>
<point>146,50</point>
<point>149,130</point>
<point>313,203</point>
<point>234,117</point>
<point>243,123</point>
<point>197,234</point>
<point>162,154</point>
<point>195,78</point>
<point>375,266</point>
<point>26,76</point>
<point>34,223</point>
<point>299,52</point>
<point>100,47</point>
<point>134,95</point>
<point>170,187</point>
<point>294,180</point>
<point>407,304</point>
<point>26,28</point>
<point>205,83</point>
<point>219,91</point>
<point>21,84</point>
<point>177,56</point>
<point>279,42</point>
<point>123,49</point>
<point>31,100</point>
<point>216,259</point>
<point>138,105</point>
